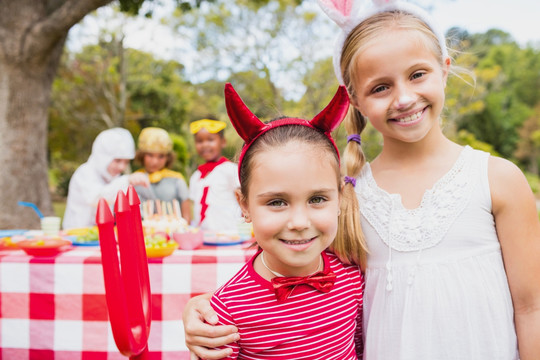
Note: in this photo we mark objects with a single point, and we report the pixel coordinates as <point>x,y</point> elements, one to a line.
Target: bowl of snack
<point>189,240</point>
<point>84,236</point>
<point>158,246</point>
<point>44,246</point>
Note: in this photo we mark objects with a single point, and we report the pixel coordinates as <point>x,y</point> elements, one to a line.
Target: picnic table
<point>55,307</point>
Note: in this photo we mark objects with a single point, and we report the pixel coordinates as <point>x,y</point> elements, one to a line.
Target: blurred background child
<point>155,153</point>
<point>101,176</point>
<point>212,186</point>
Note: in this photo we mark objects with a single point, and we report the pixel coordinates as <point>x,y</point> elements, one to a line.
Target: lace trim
<point>424,227</point>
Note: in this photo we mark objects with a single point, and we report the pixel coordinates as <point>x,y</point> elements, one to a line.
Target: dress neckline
<point>444,179</point>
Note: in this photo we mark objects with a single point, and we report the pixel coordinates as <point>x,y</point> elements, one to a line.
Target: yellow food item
<point>39,243</point>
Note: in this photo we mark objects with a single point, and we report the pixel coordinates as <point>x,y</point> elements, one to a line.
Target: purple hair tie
<point>355,138</point>
<point>350,180</point>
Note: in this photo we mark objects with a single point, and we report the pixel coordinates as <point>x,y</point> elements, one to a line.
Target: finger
<point>208,313</point>
<point>208,354</point>
<point>213,341</point>
<point>193,356</point>
<point>199,333</point>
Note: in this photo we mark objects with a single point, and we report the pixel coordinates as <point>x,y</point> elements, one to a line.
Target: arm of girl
<point>518,229</point>
<point>200,335</point>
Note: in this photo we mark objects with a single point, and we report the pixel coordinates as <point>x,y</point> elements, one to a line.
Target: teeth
<point>290,242</point>
<point>410,118</point>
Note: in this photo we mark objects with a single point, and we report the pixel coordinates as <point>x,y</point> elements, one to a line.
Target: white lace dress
<point>436,288</point>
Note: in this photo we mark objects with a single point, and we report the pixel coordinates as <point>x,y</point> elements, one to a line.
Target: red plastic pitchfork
<point>127,288</point>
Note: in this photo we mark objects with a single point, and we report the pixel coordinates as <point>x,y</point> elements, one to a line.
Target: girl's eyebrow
<point>283,194</point>
<point>271,194</point>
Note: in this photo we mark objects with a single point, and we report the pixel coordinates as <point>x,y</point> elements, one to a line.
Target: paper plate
<point>85,243</point>
<point>222,243</point>
<point>222,239</point>
<point>44,246</point>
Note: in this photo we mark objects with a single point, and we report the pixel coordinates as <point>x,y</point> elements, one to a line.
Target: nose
<point>299,219</point>
<point>404,99</point>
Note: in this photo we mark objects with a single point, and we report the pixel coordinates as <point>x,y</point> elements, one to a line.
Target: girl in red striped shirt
<point>294,299</point>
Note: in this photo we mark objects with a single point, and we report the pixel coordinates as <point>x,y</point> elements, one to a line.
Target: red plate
<point>44,246</point>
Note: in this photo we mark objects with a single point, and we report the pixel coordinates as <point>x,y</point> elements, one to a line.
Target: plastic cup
<point>50,225</point>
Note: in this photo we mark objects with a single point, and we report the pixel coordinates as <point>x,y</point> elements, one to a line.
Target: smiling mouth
<point>297,242</point>
<point>409,118</point>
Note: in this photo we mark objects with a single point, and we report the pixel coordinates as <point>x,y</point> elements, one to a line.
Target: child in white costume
<point>439,218</point>
<point>212,186</point>
<point>101,177</point>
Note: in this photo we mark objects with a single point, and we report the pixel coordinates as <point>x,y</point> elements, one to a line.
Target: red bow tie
<point>284,286</point>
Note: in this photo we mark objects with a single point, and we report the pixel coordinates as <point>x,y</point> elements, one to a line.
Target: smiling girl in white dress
<point>453,232</point>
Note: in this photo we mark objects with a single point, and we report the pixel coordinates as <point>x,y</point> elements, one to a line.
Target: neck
<point>396,154</point>
<point>320,267</point>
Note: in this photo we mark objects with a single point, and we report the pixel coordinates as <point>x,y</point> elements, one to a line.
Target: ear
<point>242,202</point>
<point>446,69</point>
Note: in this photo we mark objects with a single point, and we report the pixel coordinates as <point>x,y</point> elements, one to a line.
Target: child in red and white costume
<point>294,299</point>
<point>212,185</point>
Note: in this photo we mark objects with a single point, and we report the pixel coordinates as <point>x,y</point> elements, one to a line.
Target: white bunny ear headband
<point>347,14</point>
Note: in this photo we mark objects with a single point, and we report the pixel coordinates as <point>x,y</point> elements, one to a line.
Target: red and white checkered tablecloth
<point>55,308</point>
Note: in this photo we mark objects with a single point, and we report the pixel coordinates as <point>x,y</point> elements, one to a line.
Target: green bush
<point>60,173</point>
<point>534,182</point>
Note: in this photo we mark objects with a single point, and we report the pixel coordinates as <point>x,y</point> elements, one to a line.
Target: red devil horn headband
<point>249,127</point>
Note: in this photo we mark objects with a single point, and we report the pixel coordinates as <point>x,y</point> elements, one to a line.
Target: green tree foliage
<point>99,88</point>
<point>528,150</point>
<point>506,90</point>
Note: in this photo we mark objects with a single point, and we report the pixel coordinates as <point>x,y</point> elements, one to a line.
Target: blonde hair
<point>349,219</point>
<point>349,243</point>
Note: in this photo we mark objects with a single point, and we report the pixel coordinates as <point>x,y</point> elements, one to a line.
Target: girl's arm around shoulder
<point>518,230</point>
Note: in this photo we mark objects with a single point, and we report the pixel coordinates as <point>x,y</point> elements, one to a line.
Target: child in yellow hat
<point>212,186</point>
<point>155,154</point>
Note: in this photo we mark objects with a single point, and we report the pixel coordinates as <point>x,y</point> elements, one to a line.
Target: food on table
<point>159,246</point>
<point>166,224</point>
<point>92,235</point>
<point>7,243</point>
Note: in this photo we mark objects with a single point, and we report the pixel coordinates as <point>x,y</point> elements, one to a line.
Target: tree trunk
<point>25,92</point>
<point>33,34</point>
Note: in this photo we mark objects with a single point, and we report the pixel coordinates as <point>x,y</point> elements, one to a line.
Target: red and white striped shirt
<point>308,325</point>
